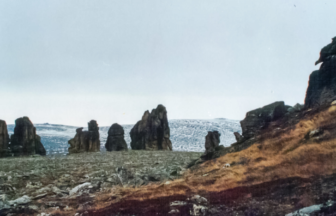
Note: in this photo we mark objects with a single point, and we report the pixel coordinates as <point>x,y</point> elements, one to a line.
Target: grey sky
<point>68,62</point>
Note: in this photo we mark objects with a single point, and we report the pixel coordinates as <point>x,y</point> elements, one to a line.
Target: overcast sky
<point>67,62</point>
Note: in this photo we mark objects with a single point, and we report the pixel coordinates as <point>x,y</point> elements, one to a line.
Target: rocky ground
<point>35,185</point>
<point>291,197</point>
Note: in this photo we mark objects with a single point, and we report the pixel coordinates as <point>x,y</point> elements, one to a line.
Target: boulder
<point>24,141</point>
<point>321,89</point>
<point>21,201</point>
<point>80,188</point>
<point>115,139</point>
<point>258,119</point>
<point>85,141</point>
<point>4,139</point>
<point>152,132</point>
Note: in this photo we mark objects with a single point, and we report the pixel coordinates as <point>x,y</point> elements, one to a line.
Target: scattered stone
<point>86,141</point>
<point>24,141</point>
<point>152,132</point>
<point>154,177</point>
<point>213,211</point>
<point>33,207</point>
<point>40,196</point>
<point>47,189</point>
<point>178,203</point>
<point>33,185</point>
<point>306,211</point>
<point>44,214</point>
<point>198,210</point>
<point>21,201</point>
<point>4,205</point>
<point>3,197</point>
<point>258,119</point>
<point>314,133</point>
<point>80,188</point>
<point>198,199</point>
<point>115,140</point>
<point>174,211</point>
<point>6,188</point>
<point>67,208</point>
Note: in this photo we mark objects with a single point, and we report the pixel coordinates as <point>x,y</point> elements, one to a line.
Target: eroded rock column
<point>25,141</point>
<point>152,132</point>
<point>115,140</point>
<point>85,141</point>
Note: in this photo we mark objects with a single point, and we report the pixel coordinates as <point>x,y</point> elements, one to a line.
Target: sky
<point>67,62</point>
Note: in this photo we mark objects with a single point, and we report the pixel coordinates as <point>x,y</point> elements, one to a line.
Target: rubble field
<point>35,184</point>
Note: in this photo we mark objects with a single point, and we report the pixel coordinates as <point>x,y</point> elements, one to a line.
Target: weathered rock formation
<point>239,138</point>
<point>24,141</point>
<point>152,131</point>
<point>4,139</point>
<point>258,119</point>
<point>322,83</point>
<point>327,51</point>
<point>115,140</point>
<point>212,147</point>
<point>86,141</point>
<point>212,141</point>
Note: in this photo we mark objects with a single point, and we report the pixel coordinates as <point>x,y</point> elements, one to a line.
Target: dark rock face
<point>327,52</point>
<point>115,140</point>
<point>24,141</point>
<point>258,119</point>
<point>322,83</point>
<point>4,139</point>
<point>86,141</point>
<point>152,132</point>
<point>212,141</point>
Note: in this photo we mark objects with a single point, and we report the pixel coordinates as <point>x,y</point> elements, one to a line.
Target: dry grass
<point>286,154</point>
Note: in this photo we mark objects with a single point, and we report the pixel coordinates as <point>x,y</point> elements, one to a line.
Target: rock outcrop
<point>115,140</point>
<point>212,141</point>
<point>24,141</point>
<point>4,139</point>
<point>258,119</point>
<point>321,89</point>
<point>239,138</point>
<point>86,141</point>
<point>327,52</point>
<point>152,131</point>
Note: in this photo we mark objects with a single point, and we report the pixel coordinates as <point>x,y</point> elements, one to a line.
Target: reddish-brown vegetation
<point>280,153</point>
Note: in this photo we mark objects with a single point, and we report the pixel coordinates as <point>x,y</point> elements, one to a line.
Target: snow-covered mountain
<point>186,135</point>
